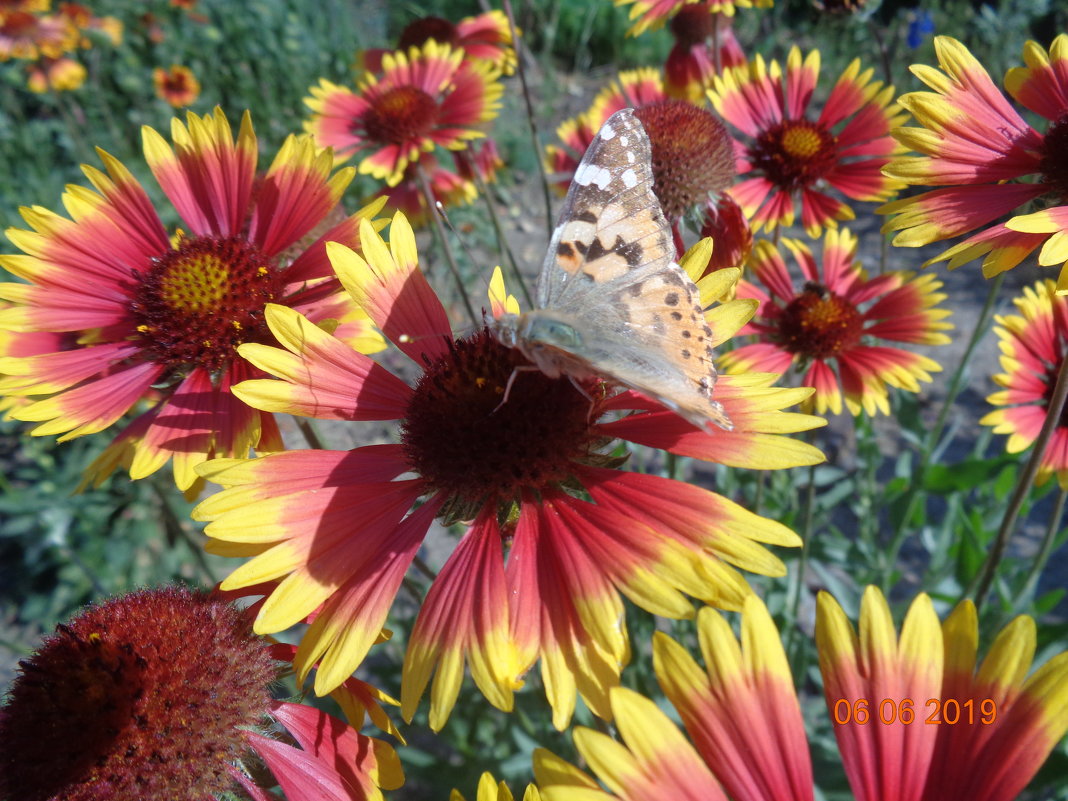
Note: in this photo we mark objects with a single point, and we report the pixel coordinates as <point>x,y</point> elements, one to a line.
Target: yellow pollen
<point>802,143</point>
<point>143,329</point>
<point>197,284</point>
<point>236,325</point>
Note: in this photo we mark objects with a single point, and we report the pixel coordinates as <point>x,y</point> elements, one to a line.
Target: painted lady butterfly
<point>611,301</point>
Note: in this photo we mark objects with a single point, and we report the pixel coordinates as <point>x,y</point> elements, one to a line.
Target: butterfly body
<point>610,300</point>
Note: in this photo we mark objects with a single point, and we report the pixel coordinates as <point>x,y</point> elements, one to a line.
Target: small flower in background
<point>486,37</point>
<point>693,59</point>
<point>693,159</point>
<point>724,222</point>
<point>82,19</point>
<point>988,159</point>
<point>746,735</point>
<point>450,187</point>
<point>339,529</point>
<point>630,89</point>
<point>921,25</point>
<point>791,156</point>
<point>30,36</point>
<point>177,85</point>
<point>158,318</point>
<point>165,694</point>
<point>1033,345</point>
<point>652,14</point>
<point>428,97</point>
<point>831,319</point>
<point>54,75</point>
<point>490,790</point>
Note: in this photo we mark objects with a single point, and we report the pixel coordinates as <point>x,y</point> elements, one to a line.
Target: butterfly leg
<point>511,380</point>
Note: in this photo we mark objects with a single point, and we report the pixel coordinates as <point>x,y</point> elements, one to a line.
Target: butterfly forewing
<point>611,230</point>
<point>610,277</point>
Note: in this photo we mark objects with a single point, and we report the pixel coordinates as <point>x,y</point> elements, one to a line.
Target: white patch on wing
<point>608,132</point>
<point>629,178</point>
<point>590,173</point>
<point>630,157</point>
<point>624,141</point>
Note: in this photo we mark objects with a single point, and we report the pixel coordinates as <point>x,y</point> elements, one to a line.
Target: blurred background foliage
<point>60,550</point>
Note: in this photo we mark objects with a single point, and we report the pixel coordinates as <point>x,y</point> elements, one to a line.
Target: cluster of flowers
<point>31,31</point>
<point>267,277</point>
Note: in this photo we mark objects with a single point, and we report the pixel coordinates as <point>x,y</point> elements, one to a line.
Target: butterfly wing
<point>611,229</point>
<point>610,276</point>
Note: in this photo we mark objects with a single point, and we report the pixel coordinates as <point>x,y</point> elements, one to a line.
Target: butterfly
<point>611,302</point>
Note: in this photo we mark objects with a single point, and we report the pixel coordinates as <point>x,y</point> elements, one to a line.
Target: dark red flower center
<point>483,425</point>
<point>175,82</point>
<point>692,154</point>
<point>1054,164</point>
<point>420,31</point>
<point>197,303</point>
<point>794,153</point>
<point>400,115</point>
<point>144,696</point>
<point>819,324</point>
<point>18,24</point>
<point>693,24</point>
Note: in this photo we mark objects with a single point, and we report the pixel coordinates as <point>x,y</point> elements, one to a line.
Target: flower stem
<point>502,240</point>
<point>307,430</point>
<point>443,239</point>
<point>1045,549</point>
<point>807,517</point>
<point>531,120</point>
<point>915,491</point>
<point>1023,484</point>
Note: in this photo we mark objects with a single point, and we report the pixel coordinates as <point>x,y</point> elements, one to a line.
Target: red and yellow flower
<point>338,529</point>
<point>652,14</point>
<point>430,96</point>
<point>177,85</point>
<point>792,155</point>
<point>1033,345</point>
<point>486,37</point>
<point>1004,723</point>
<point>26,35</point>
<point>54,74</point>
<point>450,187</point>
<point>705,44</point>
<point>825,327</point>
<point>491,790</point>
<point>988,159</point>
<point>157,318</point>
<point>630,89</point>
<point>746,735</point>
<point>692,154</point>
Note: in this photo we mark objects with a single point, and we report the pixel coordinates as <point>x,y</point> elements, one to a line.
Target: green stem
<point>498,230</point>
<point>177,528</point>
<point>1023,484</point>
<point>531,119</point>
<point>307,430</point>
<point>915,490</point>
<point>807,516</point>
<point>443,240</point>
<point>1045,549</point>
